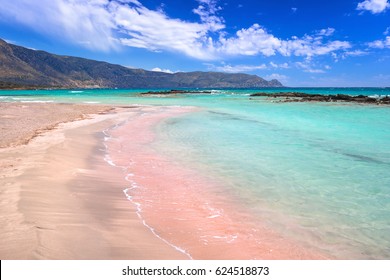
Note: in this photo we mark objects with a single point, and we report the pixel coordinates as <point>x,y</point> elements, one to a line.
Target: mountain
<point>27,68</point>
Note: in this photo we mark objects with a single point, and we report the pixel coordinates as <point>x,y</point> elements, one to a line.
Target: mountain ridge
<point>21,67</point>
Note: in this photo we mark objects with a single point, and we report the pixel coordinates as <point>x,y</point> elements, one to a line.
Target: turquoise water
<point>317,171</point>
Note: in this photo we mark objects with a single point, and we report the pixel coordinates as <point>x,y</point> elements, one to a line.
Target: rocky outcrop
<point>305,97</point>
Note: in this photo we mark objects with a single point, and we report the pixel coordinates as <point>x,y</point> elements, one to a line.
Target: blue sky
<point>299,42</point>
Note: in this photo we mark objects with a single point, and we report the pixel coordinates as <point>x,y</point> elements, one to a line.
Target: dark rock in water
<point>260,94</point>
<point>343,97</point>
<point>280,94</point>
<point>305,97</point>
<point>385,100</point>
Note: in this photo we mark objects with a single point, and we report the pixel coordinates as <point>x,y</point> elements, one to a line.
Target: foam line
<point>108,159</point>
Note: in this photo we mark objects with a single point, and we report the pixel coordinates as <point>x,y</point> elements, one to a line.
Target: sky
<point>302,43</point>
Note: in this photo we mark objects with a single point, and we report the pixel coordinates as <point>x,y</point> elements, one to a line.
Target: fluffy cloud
<point>207,10</point>
<point>282,78</point>
<point>252,41</point>
<point>109,24</point>
<point>256,40</point>
<point>157,69</point>
<point>85,22</point>
<point>355,53</point>
<point>283,65</point>
<point>310,46</point>
<point>374,6</point>
<point>153,30</point>
<point>380,44</point>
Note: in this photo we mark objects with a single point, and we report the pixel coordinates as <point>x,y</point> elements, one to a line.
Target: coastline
<point>187,209</point>
<point>62,200</point>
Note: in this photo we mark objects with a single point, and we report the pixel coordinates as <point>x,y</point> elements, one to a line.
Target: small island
<point>305,97</point>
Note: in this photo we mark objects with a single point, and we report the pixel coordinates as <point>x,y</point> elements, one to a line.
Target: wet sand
<point>187,209</point>
<point>62,196</point>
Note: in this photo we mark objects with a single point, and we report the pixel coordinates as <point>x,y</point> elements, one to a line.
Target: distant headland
<point>23,68</point>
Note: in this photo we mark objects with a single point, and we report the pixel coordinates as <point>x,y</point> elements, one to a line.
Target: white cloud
<point>356,53</point>
<point>157,69</point>
<point>306,67</point>
<point>252,41</point>
<point>109,24</point>
<point>207,10</point>
<point>380,44</point>
<point>85,22</point>
<point>236,68</point>
<point>373,6</point>
<point>294,10</point>
<point>281,78</point>
<point>155,31</point>
<point>10,41</point>
<point>246,68</point>
<point>256,40</point>
<point>310,46</point>
<point>282,65</point>
<point>326,32</point>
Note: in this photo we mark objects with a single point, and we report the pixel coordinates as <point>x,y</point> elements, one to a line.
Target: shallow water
<point>323,168</point>
<point>316,172</point>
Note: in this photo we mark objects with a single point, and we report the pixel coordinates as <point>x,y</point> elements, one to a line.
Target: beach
<point>89,186</point>
<point>59,198</point>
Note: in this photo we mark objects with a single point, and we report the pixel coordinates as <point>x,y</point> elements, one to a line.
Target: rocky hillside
<point>25,68</point>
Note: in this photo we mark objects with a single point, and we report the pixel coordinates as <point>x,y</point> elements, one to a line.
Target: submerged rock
<point>306,97</point>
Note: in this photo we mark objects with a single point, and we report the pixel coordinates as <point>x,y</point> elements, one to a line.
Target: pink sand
<point>184,208</point>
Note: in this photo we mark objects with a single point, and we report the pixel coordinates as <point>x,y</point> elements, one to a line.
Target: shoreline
<point>63,200</point>
<point>184,208</point>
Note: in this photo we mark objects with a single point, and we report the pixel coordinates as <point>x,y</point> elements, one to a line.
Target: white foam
<point>228,238</point>
<point>138,212</point>
<point>109,161</point>
<point>37,101</point>
<point>134,185</point>
<point>213,216</point>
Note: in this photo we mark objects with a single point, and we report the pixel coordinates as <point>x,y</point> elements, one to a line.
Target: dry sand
<point>58,198</point>
<point>20,122</point>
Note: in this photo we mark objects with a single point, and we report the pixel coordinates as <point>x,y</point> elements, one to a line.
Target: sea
<point>318,172</point>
